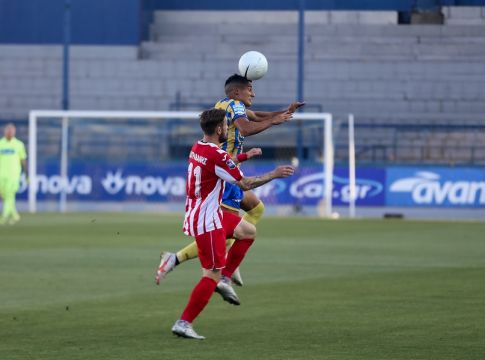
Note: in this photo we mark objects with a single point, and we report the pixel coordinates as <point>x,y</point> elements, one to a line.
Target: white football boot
<point>184,329</point>
<point>236,278</point>
<point>224,288</point>
<point>167,264</point>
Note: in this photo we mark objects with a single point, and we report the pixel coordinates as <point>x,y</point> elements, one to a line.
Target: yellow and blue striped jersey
<point>234,110</point>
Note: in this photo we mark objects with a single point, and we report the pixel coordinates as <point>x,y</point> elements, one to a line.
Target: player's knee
<point>214,274</point>
<point>245,230</point>
<point>251,232</point>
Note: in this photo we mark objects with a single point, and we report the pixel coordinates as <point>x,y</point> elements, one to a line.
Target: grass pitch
<point>80,286</point>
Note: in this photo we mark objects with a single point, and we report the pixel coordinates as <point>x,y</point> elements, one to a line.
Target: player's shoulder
<point>222,103</point>
<point>237,105</point>
<point>222,153</point>
<point>236,108</point>
<point>223,158</point>
<point>216,153</point>
<point>228,103</point>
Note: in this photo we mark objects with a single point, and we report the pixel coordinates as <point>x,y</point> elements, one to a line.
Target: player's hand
<point>254,152</point>
<point>283,171</point>
<point>295,106</point>
<point>282,118</point>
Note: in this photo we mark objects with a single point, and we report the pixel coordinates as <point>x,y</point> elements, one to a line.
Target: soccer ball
<point>253,65</point>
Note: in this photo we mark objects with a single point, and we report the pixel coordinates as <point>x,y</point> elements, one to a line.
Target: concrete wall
<point>110,22</point>
<point>376,70</point>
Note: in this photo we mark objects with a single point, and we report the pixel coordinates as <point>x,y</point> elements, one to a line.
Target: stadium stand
<point>393,77</point>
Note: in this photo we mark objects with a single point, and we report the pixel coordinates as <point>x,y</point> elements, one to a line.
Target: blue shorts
<point>232,196</point>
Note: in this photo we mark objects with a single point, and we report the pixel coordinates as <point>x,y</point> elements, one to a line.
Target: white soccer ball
<point>253,65</point>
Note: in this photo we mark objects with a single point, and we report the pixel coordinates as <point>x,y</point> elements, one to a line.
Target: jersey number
<point>197,174</point>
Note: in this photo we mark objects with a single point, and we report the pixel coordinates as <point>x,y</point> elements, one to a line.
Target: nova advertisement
<point>166,182</point>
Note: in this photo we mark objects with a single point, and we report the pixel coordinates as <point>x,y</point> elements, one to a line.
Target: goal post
<point>68,118</point>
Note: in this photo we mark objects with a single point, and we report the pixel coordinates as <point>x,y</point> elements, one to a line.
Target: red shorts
<point>229,222</point>
<point>212,249</point>
<point>212,245</point>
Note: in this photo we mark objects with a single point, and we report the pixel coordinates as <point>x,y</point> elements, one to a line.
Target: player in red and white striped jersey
<point>209,169</point>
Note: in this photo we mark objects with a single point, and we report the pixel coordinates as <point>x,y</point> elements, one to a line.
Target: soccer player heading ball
<point>209,169</point>
<point>241,122</point>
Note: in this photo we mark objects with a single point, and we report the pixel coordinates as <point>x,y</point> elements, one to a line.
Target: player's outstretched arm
<point>259,116</point>
<point>251,182</point>
<point>248,128</point>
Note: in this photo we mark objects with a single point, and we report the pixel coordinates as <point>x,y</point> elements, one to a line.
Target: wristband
<point>242,157</point>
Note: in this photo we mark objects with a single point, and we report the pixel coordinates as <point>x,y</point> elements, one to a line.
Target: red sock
<point>236,254</point>
<point>199,298</point>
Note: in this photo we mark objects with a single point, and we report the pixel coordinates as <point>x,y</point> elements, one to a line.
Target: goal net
<point>137,161</point>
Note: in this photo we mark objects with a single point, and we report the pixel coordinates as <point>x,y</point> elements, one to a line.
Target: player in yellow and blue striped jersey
<point>244,122</point>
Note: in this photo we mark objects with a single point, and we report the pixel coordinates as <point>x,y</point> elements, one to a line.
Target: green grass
<point>80,286</point>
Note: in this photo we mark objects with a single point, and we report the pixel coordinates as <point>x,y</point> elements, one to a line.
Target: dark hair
<point>235,81</point>
<point>210,119</point>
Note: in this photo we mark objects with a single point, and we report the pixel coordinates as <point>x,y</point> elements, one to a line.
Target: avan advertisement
<point>435,187</point>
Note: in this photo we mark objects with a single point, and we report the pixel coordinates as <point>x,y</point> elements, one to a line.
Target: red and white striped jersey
<point>209,168</point>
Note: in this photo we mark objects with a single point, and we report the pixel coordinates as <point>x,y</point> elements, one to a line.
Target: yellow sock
<point>188,252</point>
<point>255,214</point>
